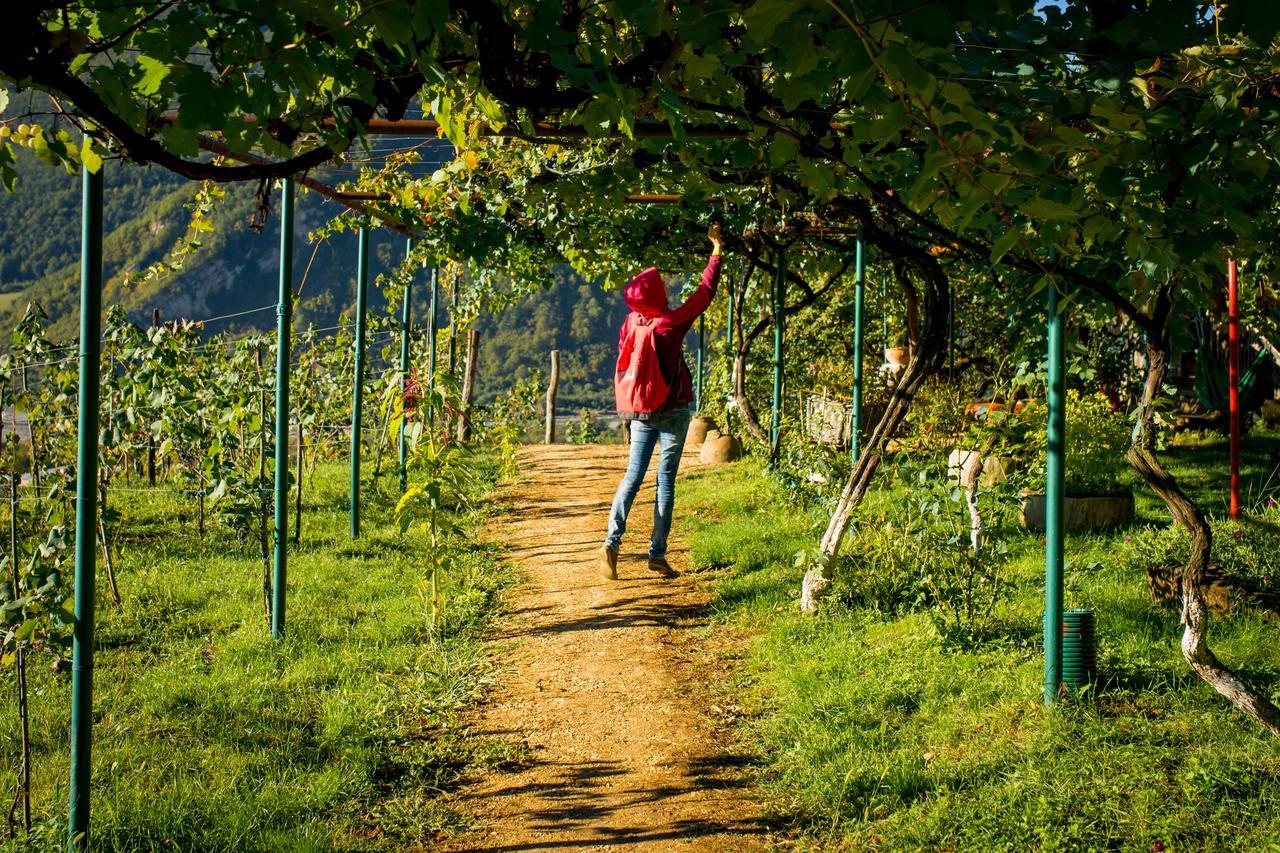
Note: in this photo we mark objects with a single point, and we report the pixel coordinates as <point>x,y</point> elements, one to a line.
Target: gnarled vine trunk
<point>750,420</point>
<point>912,304</point>
<point>926,358</point>
<point>1195,611</point>
<point>741,350</point>
<point>970,473</point>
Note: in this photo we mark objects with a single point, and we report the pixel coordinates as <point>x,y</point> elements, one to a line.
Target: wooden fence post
<point>553,386</point>
<point>468,385</point>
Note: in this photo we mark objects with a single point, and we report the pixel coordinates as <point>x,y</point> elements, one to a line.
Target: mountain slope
<point>235,270</point>
<point>143,217</point>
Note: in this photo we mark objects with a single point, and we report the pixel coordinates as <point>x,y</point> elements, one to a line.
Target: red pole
<point>1233,377</point>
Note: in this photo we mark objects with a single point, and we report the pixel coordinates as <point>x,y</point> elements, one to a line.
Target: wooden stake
<point>553,386</point>
<point>468,385</point>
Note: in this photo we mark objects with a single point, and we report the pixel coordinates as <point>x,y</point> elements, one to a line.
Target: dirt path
<point>607,685</point>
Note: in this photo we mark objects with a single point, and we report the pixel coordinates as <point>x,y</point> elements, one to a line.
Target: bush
<point>584,430</point>
<point>1243,548</point>
<point>1097,439</point>
<point>809,473</point>
<point>937,413</point>
<point>916,556</point>
<point>507,417</point>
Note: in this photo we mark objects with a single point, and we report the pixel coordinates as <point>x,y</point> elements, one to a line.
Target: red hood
<point>646,294</point>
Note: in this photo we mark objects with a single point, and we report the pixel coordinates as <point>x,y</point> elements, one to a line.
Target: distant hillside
<point>144,216</point>
<point>236,270</point>
<point>573,316</point>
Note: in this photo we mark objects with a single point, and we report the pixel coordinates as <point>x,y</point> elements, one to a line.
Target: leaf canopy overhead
<point>1129,140</point>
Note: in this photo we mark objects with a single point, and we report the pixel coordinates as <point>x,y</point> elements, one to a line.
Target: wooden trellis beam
<point>354,201</point>
<point>548,131</point>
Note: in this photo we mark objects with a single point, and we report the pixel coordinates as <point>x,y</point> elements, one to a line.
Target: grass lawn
<point>879,729</point>
<point>210,736</point>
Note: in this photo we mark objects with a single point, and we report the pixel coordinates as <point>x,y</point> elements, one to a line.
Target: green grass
<point>210,736</point>
<point>876,732</point>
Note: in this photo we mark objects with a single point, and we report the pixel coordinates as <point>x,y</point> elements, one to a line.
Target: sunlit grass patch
<point>877,731</point>
<point>211,736</point>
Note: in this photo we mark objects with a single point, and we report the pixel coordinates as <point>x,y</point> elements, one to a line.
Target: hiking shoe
<point>659,565</point>
<point>609,562</point>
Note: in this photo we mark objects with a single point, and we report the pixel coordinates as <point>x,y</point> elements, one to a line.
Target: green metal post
<point>357,391</point>
<point>1055,498</point>
<point>86,508</point>
<point>702,337</point>
<point>779,320</point>
<point>284,332</point>
<point>859,281</point>
<point>431,338</point>
<point>406,323</point>
<point>453,329</point>
<point>884,309</point>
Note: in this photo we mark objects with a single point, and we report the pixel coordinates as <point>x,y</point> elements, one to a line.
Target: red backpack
<point>639,387</point>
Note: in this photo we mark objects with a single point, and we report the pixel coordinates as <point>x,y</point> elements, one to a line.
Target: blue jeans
<point>667,431</point>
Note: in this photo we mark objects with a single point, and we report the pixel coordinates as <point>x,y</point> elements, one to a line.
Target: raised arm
<point>701,298</point>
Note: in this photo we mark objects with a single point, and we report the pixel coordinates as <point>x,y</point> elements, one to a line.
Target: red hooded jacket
<point>646,295</point>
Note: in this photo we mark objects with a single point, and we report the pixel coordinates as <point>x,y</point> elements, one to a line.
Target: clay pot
<point>718,449</point>
<point>699,428</point>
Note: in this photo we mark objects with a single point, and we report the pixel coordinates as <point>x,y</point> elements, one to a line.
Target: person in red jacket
<point>665,427</point>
